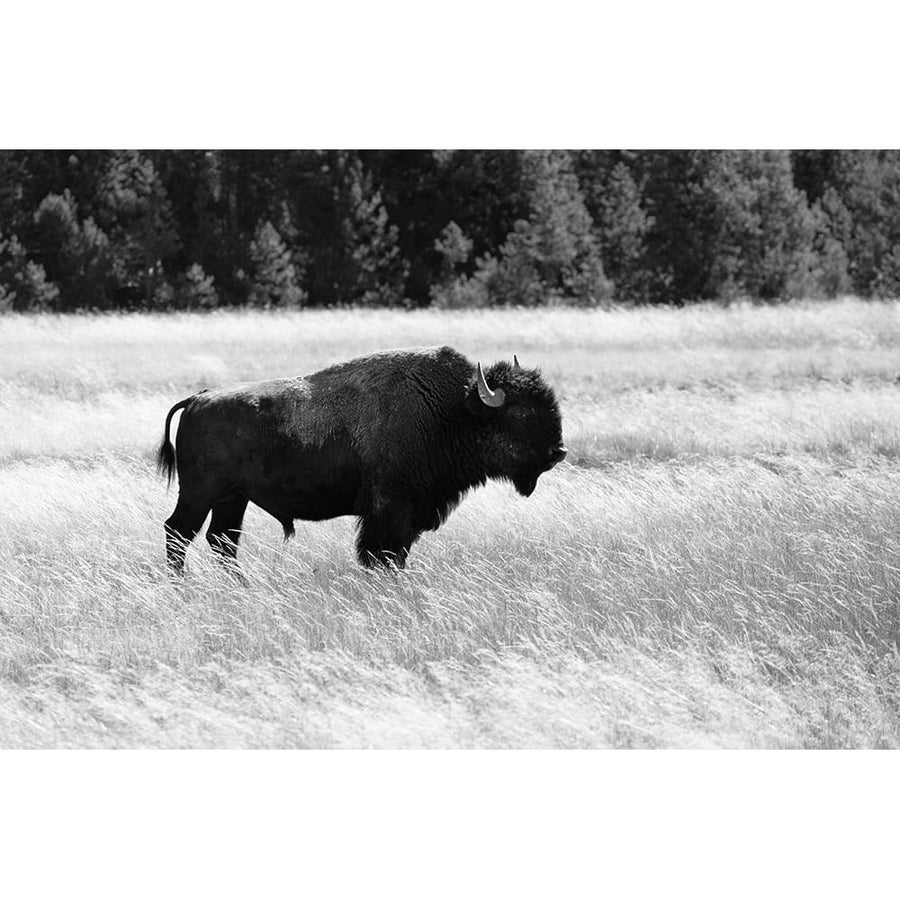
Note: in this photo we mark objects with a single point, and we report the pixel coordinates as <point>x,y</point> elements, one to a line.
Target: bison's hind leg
<point>224,532</point>
<point>182,527</point>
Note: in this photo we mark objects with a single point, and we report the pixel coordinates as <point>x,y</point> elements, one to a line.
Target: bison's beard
<point>526,478</point>
<point>525,484</point>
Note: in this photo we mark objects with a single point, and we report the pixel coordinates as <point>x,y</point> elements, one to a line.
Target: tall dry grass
<point>717,566</point>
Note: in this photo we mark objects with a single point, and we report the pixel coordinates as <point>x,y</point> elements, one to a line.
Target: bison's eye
<point>519,412</point>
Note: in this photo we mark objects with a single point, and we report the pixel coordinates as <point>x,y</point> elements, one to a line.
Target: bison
<point>395,438</point>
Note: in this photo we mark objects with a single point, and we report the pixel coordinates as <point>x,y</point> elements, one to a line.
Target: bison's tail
<point>165,456</point>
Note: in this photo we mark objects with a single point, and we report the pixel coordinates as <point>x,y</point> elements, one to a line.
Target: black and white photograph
<point>450,449</point>
<point>449,452</point>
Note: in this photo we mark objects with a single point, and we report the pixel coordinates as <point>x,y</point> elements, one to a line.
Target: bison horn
<point>487,396</point>
<point>516,366</point>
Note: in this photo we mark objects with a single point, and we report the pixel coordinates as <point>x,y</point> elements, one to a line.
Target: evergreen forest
<point>194,229</point>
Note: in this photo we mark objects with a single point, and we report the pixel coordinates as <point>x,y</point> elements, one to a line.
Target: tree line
<point>192,229</point>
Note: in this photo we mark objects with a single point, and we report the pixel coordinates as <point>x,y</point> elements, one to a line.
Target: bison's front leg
<point>386,535</point>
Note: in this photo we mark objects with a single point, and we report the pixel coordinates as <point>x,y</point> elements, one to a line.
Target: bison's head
<point>523,430</point>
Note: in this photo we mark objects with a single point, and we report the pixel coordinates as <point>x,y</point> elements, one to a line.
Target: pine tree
<point>138,219</point>
<point>621,225</point>
<point>454,248</point>
<point>371,270</point>
<point>887,282</point>
<point>832,225</point>
<point>23,282</point>
<point>196,289</point>
<point>56,232</point>
<point>76,256</point>
<point>453,288</point>
<point>552,256</point>
<point>422,190</point>
<point>863,203</point>
<point>274,277</point>
<point>13,177</point>
<point>727,224</point>
<point>763,241</point>
<point>94,283</point>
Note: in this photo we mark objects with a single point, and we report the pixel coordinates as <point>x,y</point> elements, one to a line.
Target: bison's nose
<point>558,454</point>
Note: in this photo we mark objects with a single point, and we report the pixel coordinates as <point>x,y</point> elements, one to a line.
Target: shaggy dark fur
<point>395,439</point>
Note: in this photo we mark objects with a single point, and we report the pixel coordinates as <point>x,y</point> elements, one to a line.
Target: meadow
<point>716,564</point>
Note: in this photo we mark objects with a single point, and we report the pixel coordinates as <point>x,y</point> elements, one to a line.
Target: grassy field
<point>716,564</point>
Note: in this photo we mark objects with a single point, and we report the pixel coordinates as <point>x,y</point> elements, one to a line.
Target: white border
<point>463,74</point>
<point>448,824</point>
